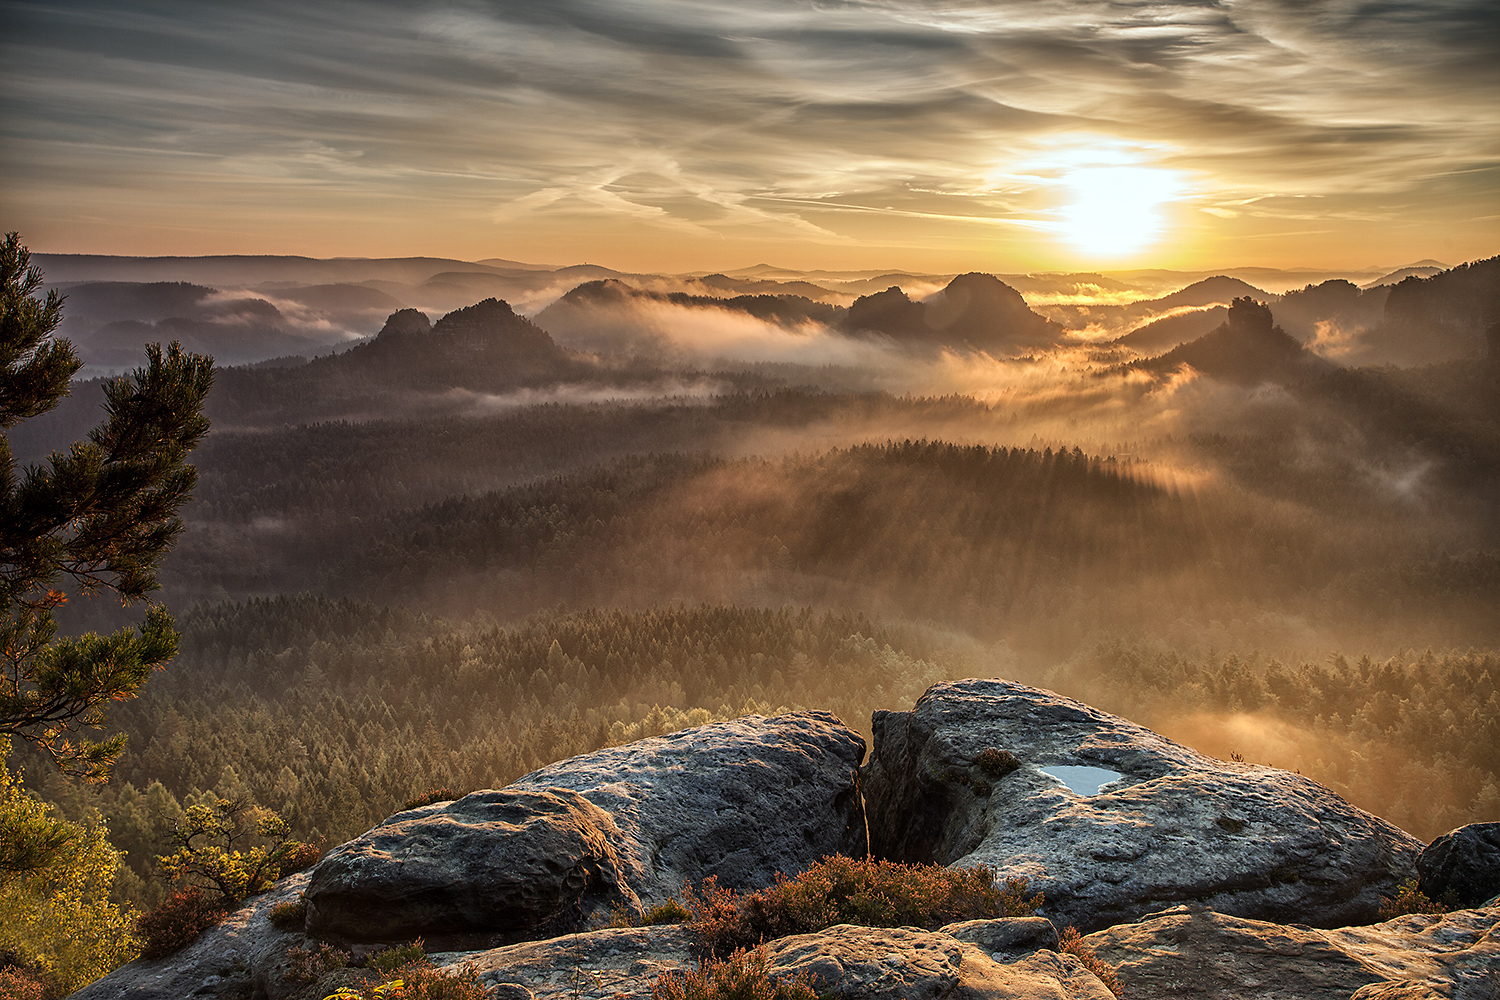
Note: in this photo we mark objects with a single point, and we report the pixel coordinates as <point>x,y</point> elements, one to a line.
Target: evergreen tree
<point>99,517</point>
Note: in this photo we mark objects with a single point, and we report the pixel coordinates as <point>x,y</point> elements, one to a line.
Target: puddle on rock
<point>1082,780</point>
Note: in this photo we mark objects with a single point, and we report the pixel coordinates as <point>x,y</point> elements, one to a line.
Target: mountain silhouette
<point>975,312</point>
<point>1247,349</point>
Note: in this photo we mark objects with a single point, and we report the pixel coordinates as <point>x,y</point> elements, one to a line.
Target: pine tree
<point>99,517</point>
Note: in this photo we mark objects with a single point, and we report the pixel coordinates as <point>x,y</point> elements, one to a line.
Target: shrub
<point>177,922</point>
<point>299,856</point>
<point>421,980</point>
<point>1408,899</point>
<point>19,983</point>
<point>840,890</point>
<point>743,976</point>
<point>308,965</point>
<point>430,796</point>
<point>670,912</point>
<point>997,763</point>
<point>289,916</point>
<point>208,841</point>
<point>1070,942</point>
<point>390,959</point>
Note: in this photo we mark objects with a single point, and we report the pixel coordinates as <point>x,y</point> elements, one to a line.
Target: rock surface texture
<point>741,800</point>
<point>554,852</point>
<point>508,862</point>
<point>1191,951</point>
<point>1465,863</point>
<point>845,961</point>
<point>1174,827</point>
<point>243,957</point>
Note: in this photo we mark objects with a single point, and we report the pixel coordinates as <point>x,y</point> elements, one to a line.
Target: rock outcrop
<point>740,800</point>
<point>1169,826</point>
<point>512,863</point>
<point>1463,866</point>
<point>1191,951</point>
<point>620,828</point>
<point>244,956</point>
<point>845,961</point>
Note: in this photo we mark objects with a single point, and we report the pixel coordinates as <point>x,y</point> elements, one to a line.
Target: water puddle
<point>1082,780</point>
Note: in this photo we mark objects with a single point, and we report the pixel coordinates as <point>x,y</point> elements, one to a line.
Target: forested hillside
<point>460,552</point>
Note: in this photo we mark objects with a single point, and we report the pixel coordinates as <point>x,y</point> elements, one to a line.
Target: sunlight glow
<point>1115,210</point>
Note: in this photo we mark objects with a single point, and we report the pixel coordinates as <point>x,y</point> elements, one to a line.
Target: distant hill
<point>1412,271</point>
<point>1247,349</point>
<point>1440,318</point>
<point>975,312</point>
<point>1338,302</point>
<point>610,315</point>
<point>1207,293</point>
<point>1178,328</point>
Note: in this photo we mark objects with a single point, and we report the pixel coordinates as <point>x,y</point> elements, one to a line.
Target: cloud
<point>917,124</point>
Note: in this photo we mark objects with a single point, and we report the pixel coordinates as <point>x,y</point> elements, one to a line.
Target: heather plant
<point>309,964</point>
<point>390,959</point>
<point>741,976</point>
<point>177,921</point>
<point>1070,942</point>
<point>290,915</point>
<point>670,912</point>
<point>1408,899</point>
<point>841,890</point>
<point>419,980</point>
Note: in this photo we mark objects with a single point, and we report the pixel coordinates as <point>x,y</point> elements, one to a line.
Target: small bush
<point>390,959</point>
<point>670,912</point>
<point>840,890</point>
<point>997,763</point>
<point>289,916</point>
<point>421,980</point>
<point>430,796</point>
<point>177,922</point>
<point>1408,899</point>
<point>19,983</point>
<point>1071,942</point>
<point>299,857</point>
<point>308,965</point>
<point>742,976</point>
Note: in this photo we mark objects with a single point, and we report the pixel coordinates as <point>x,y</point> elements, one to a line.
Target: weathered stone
<point>508,863</point>
<point>741,800</point>
<point>240,958</point>
<point>1175,826</point>
<point>1006,939</point>
<point>902,963</point>
<point>1191,951</point>
<point>1464,863</point>
<point>619,962</point>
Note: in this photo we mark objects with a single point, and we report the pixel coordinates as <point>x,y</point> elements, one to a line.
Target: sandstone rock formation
<point>1464,863</point>
<point>622,827</point>
<point>244,956</point>
<point>1173,826</point>
<point>509,863</point>
<point>845,961</point>
<point>1191,951</point>
<point>741,800</point>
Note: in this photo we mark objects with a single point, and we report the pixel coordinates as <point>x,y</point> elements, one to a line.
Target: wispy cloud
<point>543,129</point>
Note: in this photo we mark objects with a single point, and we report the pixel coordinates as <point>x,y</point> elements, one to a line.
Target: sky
<point>685,135</point>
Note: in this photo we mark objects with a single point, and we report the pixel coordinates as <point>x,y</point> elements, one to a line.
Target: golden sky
<point>683,135</point>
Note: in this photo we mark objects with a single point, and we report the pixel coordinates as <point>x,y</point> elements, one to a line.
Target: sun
<point>1114,211</point>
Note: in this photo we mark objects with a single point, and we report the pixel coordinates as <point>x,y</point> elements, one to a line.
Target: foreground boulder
<point>960,780</point>
<point>740,800</point>
<point>1463,866</point>
<point>510,862</point>
<point>1191,951</point>
<point>621,828</point>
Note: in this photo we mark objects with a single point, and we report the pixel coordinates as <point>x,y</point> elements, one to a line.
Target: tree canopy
<point>97,518</point>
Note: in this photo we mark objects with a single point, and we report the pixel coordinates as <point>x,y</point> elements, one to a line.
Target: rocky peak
<point>405,322</point>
